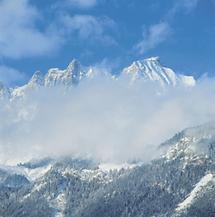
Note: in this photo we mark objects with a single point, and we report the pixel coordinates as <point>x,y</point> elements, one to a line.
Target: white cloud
<point>90,28</point>
<point>83,3</point>
<point>106,66</point>
<point>107,120</point>
<point>19,35</point>
<point>188,5</point>
<point>155,35</point>
<point>160,32</point>
<point>9,76</point>
<point>183,5</point>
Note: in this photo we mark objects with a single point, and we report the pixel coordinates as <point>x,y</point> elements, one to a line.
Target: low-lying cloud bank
<point>101,118</point>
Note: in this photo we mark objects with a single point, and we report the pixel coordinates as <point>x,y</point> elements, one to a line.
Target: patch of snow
<point>59,204</point>
<point>33,174</point>
<point>195,192</point>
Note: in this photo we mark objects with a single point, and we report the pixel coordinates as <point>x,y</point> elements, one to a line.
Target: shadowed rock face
<point>180,183</point>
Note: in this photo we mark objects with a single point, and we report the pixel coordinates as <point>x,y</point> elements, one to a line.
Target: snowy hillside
<point>179,183</point>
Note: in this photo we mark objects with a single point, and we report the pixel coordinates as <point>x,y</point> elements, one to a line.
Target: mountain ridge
<point>148,70</point>
<point>180,183</point>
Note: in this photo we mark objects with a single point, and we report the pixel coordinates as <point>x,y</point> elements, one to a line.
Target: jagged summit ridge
<point>37,79</point>
<point>72,75</point>
<point>148,70</point>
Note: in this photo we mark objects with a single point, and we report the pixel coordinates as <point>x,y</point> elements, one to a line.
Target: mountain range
<point>180,183</point>
<point>148,70</point>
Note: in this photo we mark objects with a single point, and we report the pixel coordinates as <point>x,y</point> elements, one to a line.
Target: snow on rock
<point>36,173</point>
<point>193,142</point>
<point>199,188</point>
<point>147,69</point>
<point>59,204</point>
<point>35,83</point>
<point>151,70</point>
<point>36,80</point>
<point>68,77</point>
<point>181,183</point>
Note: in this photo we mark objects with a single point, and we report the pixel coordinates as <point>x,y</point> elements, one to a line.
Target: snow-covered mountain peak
<point>150,69</point>
<point>74,65</point>
<point>72,75</point>
<point>36,79</point>
<point>76,71</point>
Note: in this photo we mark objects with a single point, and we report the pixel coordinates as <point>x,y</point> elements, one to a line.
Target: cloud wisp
<point>107,120</point>
<point>155,35</point>
<point>184,5</point>
<point>89,28</point>
<point>160,32</point>
<point>24,32</point>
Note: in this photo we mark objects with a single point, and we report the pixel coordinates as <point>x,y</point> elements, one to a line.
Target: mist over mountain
<point>88,113</point>
<point>178,183</point>
<point>81,142</point>
<point>62,111</point>
<point>93,123</point>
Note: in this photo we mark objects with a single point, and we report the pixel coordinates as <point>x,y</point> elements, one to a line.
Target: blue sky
<point>38,34</point>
